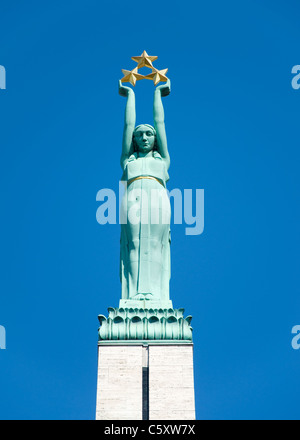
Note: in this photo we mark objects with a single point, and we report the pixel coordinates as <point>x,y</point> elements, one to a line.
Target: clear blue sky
<point>232,122</point>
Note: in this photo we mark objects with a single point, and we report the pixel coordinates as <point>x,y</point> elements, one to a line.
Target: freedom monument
<point>145,349</point>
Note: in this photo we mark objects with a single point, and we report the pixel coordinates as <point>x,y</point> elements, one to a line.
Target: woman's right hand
<point>123,90</point>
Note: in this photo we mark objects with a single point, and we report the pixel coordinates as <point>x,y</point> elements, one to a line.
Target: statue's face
<point>144,138</point>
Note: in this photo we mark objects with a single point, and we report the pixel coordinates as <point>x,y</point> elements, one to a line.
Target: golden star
<point>131,76</point>
<point>157,75</point>
<point>144,60</point>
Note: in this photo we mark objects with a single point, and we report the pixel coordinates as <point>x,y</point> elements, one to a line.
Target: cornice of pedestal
<point>145,342</point>
<point>145,324</point>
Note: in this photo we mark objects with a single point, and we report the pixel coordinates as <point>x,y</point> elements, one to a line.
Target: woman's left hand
<point>165,89</point>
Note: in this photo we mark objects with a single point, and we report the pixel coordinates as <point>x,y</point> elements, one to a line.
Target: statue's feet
<point>142,296</point>
<point>139,296</point>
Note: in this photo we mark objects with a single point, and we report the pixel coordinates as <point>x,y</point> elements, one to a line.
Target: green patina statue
<point>145,311</point>
<point>145,239</point>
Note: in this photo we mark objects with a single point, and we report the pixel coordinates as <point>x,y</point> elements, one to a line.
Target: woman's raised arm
<point>159,121</point>
<point>129,123</point>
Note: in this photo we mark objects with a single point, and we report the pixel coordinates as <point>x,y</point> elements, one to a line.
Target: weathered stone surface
<point>171,379</point>
<point>120,382</point>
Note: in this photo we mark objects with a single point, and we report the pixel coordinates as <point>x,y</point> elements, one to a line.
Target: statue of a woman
<point>145,238</point>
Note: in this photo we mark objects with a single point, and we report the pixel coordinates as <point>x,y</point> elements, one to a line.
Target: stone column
<point>145,380</point>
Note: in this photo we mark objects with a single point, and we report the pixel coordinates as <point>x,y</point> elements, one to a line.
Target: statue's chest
<point>146,167</point>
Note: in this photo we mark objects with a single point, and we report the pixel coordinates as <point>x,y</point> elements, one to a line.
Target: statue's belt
<point>144,177</point>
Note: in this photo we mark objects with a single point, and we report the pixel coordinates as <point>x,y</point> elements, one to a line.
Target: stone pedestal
<point>145,380</point>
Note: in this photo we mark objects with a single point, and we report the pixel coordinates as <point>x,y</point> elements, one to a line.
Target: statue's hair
<point>154,132</point>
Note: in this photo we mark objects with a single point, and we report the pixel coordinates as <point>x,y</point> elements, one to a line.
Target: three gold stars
<point>144,60</point>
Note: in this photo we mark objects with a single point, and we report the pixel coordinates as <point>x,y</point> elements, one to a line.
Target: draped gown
<point>145,229</point>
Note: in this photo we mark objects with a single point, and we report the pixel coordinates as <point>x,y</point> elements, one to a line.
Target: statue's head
<point>144,138</point>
